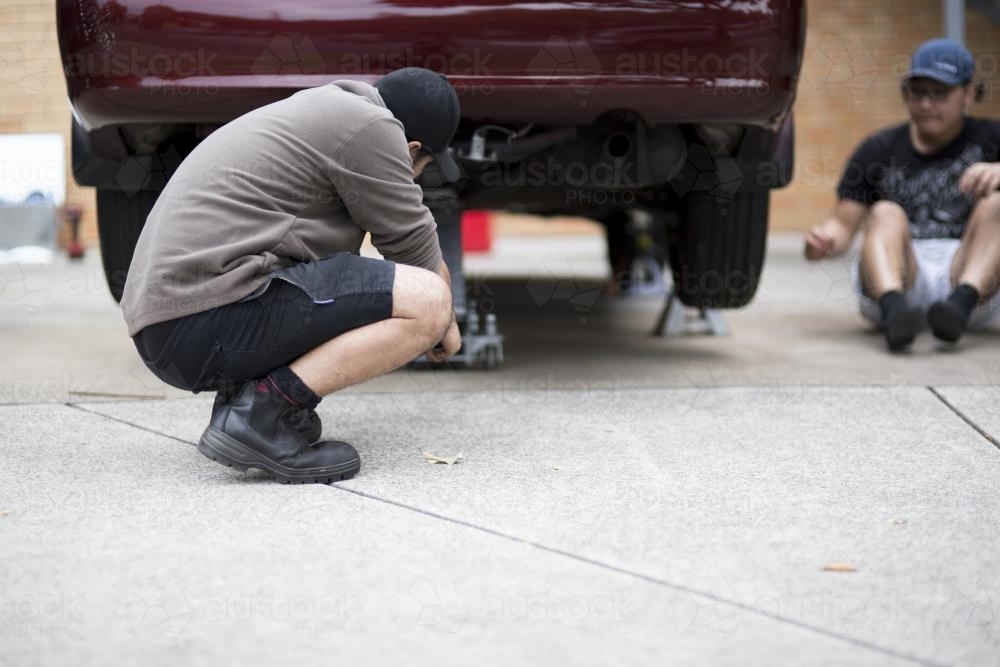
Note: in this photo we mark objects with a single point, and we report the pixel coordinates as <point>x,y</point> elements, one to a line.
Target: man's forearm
<point>844,223</point>
<point>839,232</point>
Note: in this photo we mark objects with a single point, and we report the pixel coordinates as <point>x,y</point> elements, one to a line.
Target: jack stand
<point>674,320</point>
<point>482,344</point>
<point>646,268</point>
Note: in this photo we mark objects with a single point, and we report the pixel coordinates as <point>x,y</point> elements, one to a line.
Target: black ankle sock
<point>227,389</point>
<point>290,386</point>
<point>891,303</point>
<point>965,296</point>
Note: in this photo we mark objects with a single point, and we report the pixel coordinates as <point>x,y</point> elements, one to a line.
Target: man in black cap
<point>246,279</point>
<point>927,190</point>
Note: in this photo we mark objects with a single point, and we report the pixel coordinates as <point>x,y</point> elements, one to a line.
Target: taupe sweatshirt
<point>292,181</point>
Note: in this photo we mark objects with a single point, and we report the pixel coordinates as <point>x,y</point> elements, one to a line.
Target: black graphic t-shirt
<point>886,167</point>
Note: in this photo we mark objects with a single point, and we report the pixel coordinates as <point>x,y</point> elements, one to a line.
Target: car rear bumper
<point>552,63</point>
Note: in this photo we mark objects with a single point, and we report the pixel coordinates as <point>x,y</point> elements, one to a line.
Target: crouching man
<point>927,193</point>
<point>246,279</point>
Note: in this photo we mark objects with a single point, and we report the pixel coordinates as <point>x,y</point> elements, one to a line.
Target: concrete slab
<point>742,493</point>
<point>709,478</point>
<point>979,402</point>
<point>122,546</point>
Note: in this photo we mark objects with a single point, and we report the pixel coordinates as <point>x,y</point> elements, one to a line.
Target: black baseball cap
<point>427,106</point>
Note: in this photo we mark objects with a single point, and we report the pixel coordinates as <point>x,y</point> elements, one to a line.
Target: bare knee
<point>424,297</point>
<point>987,210</point>
<point>887,216</point>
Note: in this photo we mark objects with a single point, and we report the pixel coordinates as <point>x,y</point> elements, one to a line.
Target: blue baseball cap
<point>943,60</point>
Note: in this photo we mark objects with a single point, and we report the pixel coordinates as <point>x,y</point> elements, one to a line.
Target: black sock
<point>227,389</point>
<point>290,386</point>
<point>965,296</point>
<point>891,303</point>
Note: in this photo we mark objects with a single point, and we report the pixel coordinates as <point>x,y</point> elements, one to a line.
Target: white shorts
<point>933,282</point>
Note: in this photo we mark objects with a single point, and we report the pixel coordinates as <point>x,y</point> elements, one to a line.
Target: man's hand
<point>452,340</point>
<point>980,179</point>
<point>448,346</point>
<point>819,244</point>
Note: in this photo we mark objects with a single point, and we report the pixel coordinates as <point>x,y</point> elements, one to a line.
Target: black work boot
<point>256,429</point>
<point>306,422</point>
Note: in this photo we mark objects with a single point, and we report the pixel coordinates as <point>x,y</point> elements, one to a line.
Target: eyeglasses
<point>933,94</point>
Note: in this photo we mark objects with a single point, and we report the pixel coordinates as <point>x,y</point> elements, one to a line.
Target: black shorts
<point>300,309</point>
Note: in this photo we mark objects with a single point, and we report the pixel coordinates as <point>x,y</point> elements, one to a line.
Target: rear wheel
<point>120,218</point>
<point>717,255</point>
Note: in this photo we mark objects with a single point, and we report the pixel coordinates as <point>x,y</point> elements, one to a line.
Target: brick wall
<point>856,52</point>
<point>32,89</point>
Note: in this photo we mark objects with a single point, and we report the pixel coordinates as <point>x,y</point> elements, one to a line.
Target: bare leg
<point>977,261</point>
<point>888,264</point>
<point>887,259</point>
<point>421,313</point>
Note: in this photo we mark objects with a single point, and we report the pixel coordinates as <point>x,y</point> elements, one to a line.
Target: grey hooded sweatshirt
<point>290,182</point>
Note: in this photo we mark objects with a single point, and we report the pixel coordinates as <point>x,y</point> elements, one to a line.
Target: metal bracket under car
<point>482,344</point>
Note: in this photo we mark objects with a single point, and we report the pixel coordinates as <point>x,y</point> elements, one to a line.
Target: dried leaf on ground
<point>839,567</point>
<point>434,458</point>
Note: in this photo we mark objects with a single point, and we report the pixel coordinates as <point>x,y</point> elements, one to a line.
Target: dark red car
<point>679,109</point>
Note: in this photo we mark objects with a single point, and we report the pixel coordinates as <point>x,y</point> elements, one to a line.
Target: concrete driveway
<point>788,494</point>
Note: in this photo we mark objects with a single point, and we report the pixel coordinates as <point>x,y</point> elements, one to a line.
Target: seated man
<point>927,191</point>
<point>246,278</point>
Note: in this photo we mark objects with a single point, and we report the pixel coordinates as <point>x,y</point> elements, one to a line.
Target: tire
<point>120,218</point>
<point>718,254</point>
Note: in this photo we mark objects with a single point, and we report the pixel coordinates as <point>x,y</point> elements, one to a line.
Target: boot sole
<point>946,325</point>
<point>219,447</point>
